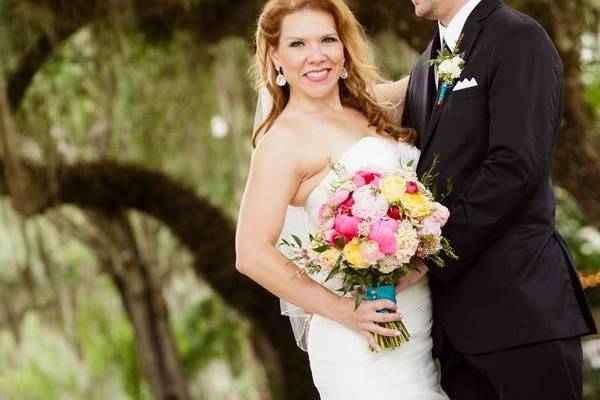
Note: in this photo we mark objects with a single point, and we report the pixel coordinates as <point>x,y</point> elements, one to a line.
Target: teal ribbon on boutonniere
<point>443,91</point>
<point>450,65</point>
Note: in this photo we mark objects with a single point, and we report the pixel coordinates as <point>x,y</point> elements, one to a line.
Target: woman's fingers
<point>385,317</point>
<point>372,341</point>
<point>383,331</point>
<point>377,305</point>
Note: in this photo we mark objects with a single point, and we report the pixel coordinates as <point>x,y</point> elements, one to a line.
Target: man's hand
<point>413,277</point>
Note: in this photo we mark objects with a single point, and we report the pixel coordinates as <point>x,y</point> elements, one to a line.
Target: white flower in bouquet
<point>389,264</point>
<point>407,241</point>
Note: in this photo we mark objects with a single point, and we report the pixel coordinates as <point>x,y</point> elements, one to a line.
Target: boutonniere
<point>450,65</point>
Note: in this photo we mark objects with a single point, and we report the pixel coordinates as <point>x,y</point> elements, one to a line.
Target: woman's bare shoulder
<point>293,136</point>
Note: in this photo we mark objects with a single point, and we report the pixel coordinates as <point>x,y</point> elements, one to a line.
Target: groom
<point>509,312</point>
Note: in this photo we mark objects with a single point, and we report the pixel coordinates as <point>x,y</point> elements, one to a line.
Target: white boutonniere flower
<point>450,65</point>
<point>450,69</point>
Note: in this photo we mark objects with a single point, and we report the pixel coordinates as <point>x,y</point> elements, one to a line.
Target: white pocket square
<point>465,84</point>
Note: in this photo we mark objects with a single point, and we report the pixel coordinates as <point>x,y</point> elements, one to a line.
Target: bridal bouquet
<point>375,227</point>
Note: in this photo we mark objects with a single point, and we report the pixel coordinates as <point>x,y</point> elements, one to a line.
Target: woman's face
<point>310,53</point>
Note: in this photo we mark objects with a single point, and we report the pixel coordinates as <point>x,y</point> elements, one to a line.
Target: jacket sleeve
<point>405,122</point>
<point>525,107</point>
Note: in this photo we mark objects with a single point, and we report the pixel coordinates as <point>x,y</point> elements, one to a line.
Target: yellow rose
<point>392,188</point>
<point>417,205</point>
<point>328,258</point>
<point>354,255</point>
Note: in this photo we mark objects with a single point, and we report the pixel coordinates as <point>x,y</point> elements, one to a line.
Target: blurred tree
<point>112,238</point>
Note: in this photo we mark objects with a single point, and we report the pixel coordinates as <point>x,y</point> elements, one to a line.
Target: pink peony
<point>440,214</point>
<point>347,226</point>
<point>430,227</point>
<point>369,205</point>
<point>327,224</point>
<point>383,233</point>
<point>338,197</point>
<point>346,206</point>
<point>331,236</point>
<point>349,202</point>
<point>325,213</point>
<point>363,177</point>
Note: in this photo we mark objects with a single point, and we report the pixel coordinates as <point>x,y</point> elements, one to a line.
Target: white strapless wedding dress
<point>342,366</point>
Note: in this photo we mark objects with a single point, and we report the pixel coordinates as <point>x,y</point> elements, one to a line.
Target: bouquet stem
<point>388,292</point>
<point>392,342</point>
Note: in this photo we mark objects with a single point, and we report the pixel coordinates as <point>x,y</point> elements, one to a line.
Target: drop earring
<point>344,73</point>
<point>281,81</point>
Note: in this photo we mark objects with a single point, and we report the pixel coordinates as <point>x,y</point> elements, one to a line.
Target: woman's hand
<point>413,277</point>
<point>364,319</point>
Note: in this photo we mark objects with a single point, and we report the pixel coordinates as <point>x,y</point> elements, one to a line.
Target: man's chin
<point>425,14</point>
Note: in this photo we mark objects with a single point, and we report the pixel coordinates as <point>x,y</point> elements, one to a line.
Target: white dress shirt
<point>451,33</point>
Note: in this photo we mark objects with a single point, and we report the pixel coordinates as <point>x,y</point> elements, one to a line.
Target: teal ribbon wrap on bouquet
<point>387,292</point>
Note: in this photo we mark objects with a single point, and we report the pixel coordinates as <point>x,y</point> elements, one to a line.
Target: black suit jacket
<point>514,282</point>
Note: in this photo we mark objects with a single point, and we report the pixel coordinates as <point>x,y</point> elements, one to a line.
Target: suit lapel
<point>470,33</point>
<point>428,91</point>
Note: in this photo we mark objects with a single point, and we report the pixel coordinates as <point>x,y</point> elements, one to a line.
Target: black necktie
<point>447,48</point>
<point>445,45</point>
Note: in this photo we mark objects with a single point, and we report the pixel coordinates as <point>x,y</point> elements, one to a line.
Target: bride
<point>312,57</point>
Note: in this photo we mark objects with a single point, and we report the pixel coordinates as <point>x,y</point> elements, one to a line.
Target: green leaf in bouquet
<point>449,186</point>
<point>449,189</point>
<point>437,260</point>
<point>322,248</point>
<point>297,240</point>
<point>430,175</point>
<point>332,273</point>
<point>448,250</point>
<point>340,243</point>
<point>338,262</point>
<point>359,296</point>
<point>347,286</point>
<point>434,192</point>
<point>361,280</point>
<point>410,163</point>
